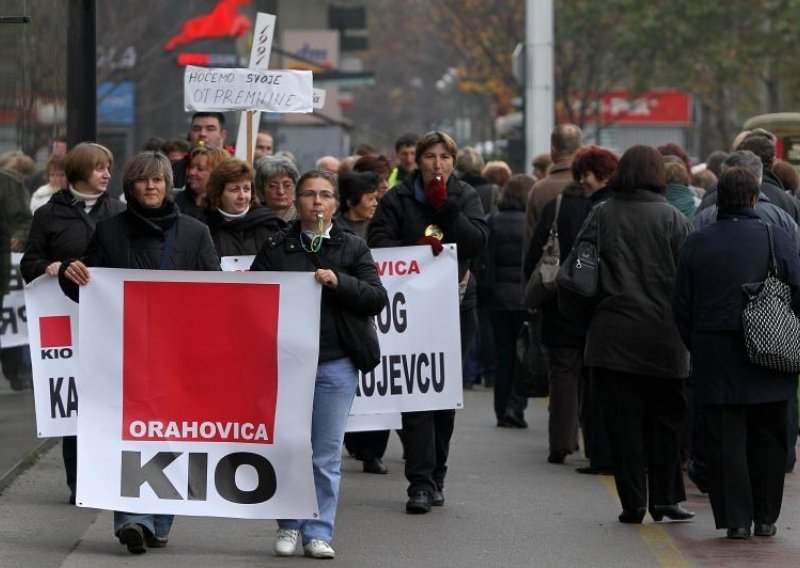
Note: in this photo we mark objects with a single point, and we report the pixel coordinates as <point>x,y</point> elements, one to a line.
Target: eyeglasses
<point>285,186</point>
<point>310,194</point>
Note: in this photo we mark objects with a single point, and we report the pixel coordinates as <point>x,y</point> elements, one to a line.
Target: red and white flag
<point>196,392</point>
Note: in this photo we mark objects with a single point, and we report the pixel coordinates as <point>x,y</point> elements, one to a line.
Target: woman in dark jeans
<point>501,286</point>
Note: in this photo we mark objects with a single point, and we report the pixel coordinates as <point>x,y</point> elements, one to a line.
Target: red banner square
<point>200,361</point>
<point>55,331</point>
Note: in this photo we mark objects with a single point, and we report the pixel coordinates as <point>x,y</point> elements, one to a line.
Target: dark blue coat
<point>708,303</point>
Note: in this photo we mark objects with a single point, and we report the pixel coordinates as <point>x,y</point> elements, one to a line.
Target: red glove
<point>436,244</point>
<point>436,192</point>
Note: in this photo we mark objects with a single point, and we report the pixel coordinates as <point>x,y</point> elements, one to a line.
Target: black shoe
<point>438,498</point>
<point>592,470</point>
<point>375,465</point>
<point>764,529</point>
<point>516,420</point>
<point>132,535</point>
<point>632,516</point>
<point>739,533</point>
<point>672,512</point>
<point>556,457</point>
<point>72,499</point>
<point>419,502</point>
<point>20,383</point>
<point>156,541</point>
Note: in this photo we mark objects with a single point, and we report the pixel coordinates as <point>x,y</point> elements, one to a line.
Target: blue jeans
<point>334,391</point>
<point>158,525</point>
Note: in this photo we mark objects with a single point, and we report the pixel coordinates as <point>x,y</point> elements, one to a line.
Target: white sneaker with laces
<point>316,548</point>
<point>286,542</point>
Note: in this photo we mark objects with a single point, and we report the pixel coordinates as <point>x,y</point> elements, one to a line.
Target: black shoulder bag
<point>358,334</point>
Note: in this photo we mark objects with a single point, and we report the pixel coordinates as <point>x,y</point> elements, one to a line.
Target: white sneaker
<point>316,548</point>
<point>286,542</point>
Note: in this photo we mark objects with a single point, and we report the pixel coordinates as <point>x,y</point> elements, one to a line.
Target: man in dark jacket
<point>762,144</point>
<point>405,216</point>
<point>206,127</point>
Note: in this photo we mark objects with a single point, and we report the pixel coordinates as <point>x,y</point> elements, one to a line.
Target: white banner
<point>319,98</point>
<point>237,263</point>
<point>263,34</point>
<point>190,407</point>
<point>419,333</point>
<point>370,422</point>
<point>221,89</point>
<point>14,321</point>
<point>54,357</point>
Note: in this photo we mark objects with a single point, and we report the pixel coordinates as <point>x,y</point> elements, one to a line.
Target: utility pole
<point>81,72</point>
<point>538,78</point>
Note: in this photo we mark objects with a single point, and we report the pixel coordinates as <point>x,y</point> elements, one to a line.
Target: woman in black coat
<point>592,169</point>
<point>343,265</point>
<point>151,234</point>
<point>501,285</point>
<point>640,362</point>
<point>61,230</point>
<point>239,224</point>
<point>745,406</point>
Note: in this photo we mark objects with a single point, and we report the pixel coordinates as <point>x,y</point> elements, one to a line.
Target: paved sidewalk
<point>506,506</point>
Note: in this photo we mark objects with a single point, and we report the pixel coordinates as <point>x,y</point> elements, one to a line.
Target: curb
<point>9,476</point>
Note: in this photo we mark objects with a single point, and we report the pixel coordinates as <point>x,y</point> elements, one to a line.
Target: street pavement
<point>505,506</point>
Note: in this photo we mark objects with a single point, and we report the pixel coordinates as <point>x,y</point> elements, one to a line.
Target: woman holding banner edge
<point>151,234</point>
<point>343,265</point>
<point>61,230</point>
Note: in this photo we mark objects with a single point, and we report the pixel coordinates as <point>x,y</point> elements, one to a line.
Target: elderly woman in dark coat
<point>640,362</point>
<point>151,234</point>
<point>745,406</point>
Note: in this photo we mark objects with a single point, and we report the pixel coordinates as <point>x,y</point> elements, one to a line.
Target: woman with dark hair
<point>501,285</point>
<point>744,405</point>
<point>640,362</point>
<point>592,168</point>
<point>238,223</point>
<point>151,234</point>
<point>61,230</point>
<point>381,165</point>
<point>343,265</point>
<point>359,200</point>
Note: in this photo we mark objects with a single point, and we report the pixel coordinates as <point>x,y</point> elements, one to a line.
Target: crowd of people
<point>651,371</point>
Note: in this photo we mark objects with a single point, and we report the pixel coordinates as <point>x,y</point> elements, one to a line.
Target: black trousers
<point>367,445</point>
<point>426,435</point>
<point>69,452</point>
<point>595,437</point>
<point>506,325</point>
<point>747,457</point>
<point>645,418</point>
<point>566,367</point>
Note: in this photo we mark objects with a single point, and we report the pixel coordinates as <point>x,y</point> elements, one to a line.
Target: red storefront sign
<point>657,107</point>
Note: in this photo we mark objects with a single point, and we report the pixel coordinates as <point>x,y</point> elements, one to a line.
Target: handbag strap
<point>773,263</point>
<point>554,225</point>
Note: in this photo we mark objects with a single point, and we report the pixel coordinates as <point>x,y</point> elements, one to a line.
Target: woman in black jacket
<point>501,286</point>
<point>592,169</point>
<point>343,265</point>
<point>151,234</point>
<point>745,406</point>
<point>61,230</point>
<point>239,224</point>
<point>640,362</point>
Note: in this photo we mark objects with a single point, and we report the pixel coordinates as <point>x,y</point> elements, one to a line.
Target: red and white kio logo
<point>55,337</point>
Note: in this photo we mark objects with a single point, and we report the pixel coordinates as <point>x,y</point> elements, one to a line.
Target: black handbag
<point>358,334</point>
<point>532,363</point>
<point>771,328</point>
<point>580,272</point>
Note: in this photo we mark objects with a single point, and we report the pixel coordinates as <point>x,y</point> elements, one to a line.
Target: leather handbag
<point>580,273</point>
<point>771,328</point>
<point>541,286</point>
